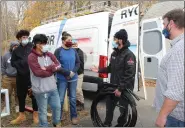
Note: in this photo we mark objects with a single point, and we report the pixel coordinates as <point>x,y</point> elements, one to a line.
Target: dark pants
<point>111,102</point>
<point>23,82</point>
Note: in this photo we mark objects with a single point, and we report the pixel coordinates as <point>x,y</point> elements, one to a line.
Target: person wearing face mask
<point>169,94</point>
<point>43,65</point>
<point>9,74</point>
<point>19,60</point>
<point>122,68</point>
<point>69,60</point>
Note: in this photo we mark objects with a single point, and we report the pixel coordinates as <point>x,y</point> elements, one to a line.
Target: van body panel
<point>92,33</point>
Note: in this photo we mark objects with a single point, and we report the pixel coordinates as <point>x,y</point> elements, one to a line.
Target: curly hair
<point>22,33</point>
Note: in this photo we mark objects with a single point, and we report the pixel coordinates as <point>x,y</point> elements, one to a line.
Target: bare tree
<point>8,24</point>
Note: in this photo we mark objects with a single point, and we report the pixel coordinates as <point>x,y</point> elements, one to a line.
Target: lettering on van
<point>51,39</point>
<point>129,12</point>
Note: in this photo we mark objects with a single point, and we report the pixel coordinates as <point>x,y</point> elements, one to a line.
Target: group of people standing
<point>44,77</point>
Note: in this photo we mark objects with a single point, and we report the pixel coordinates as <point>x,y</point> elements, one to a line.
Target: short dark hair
<point>22,33</point>
<point>65,35</point>
<point>177,15</point>
<point>122,34</point>
<point>40,39</point>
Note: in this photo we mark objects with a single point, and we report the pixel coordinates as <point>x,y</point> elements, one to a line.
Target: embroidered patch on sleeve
<point>130,62</point>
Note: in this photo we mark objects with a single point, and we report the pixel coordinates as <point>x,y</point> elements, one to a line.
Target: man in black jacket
<point>79,93</point>
<point>19,60</point>
<point>122,68</point>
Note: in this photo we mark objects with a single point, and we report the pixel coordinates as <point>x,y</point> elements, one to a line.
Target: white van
<point>92,33</point>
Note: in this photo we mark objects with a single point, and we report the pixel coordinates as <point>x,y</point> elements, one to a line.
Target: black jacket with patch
<point>122,68</point>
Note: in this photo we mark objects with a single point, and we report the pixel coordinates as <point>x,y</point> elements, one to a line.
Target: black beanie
<point>122,34</point>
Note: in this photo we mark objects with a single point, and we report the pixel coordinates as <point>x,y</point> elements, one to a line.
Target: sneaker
<point>75,121</point>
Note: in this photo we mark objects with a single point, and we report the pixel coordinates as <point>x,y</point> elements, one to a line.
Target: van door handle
<point>149,60</point>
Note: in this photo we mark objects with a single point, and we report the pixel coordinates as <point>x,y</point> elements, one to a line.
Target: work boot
<point>80,107</point>
<point>35,117</point>
<point>19,119</point>
<point>75,121</point>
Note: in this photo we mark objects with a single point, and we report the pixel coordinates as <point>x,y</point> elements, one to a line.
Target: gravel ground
<point>5,121</point>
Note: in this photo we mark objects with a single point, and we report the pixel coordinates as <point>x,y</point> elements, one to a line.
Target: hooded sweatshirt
<point>42,80</point>
<point>6,66</point>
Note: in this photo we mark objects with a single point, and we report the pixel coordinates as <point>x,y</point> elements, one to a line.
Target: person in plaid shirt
<point>169,98</point>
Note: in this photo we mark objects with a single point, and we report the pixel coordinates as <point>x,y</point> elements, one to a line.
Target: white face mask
<point>25,42</point>
<point>45,48</point>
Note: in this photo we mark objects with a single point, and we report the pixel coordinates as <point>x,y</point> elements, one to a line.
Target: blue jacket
<point>69,61</point>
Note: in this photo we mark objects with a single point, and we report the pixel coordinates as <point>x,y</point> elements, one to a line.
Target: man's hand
<point>52,67</point>
<point>56,68</point>
<point>117,93</point>
<point>43,68</point>
<point>71,74</point>
<point>161,121</point>
<point>167,107</point>
<point>94,69</point>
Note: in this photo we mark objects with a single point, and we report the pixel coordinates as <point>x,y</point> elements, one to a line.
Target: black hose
<point>96,120</point>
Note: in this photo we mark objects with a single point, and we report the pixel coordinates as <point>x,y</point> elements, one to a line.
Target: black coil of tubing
<point>97,122</point>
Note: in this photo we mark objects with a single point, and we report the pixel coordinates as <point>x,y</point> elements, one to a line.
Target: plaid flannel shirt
<point>170,81</point>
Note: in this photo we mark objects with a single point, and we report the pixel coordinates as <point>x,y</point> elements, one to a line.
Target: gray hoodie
<point>42,80</point>
<point>6,67</point>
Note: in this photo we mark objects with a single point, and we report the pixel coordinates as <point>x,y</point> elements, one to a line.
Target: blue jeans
<point>172,122</point>
<point>71,86</point>
<point>51,98</point>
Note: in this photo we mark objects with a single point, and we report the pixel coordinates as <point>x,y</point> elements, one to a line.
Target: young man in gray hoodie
<point>9,74</point>
<point>42,65</point>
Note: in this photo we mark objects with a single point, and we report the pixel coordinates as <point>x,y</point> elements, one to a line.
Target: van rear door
<point>153,46</point>
<point>127,18</point>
